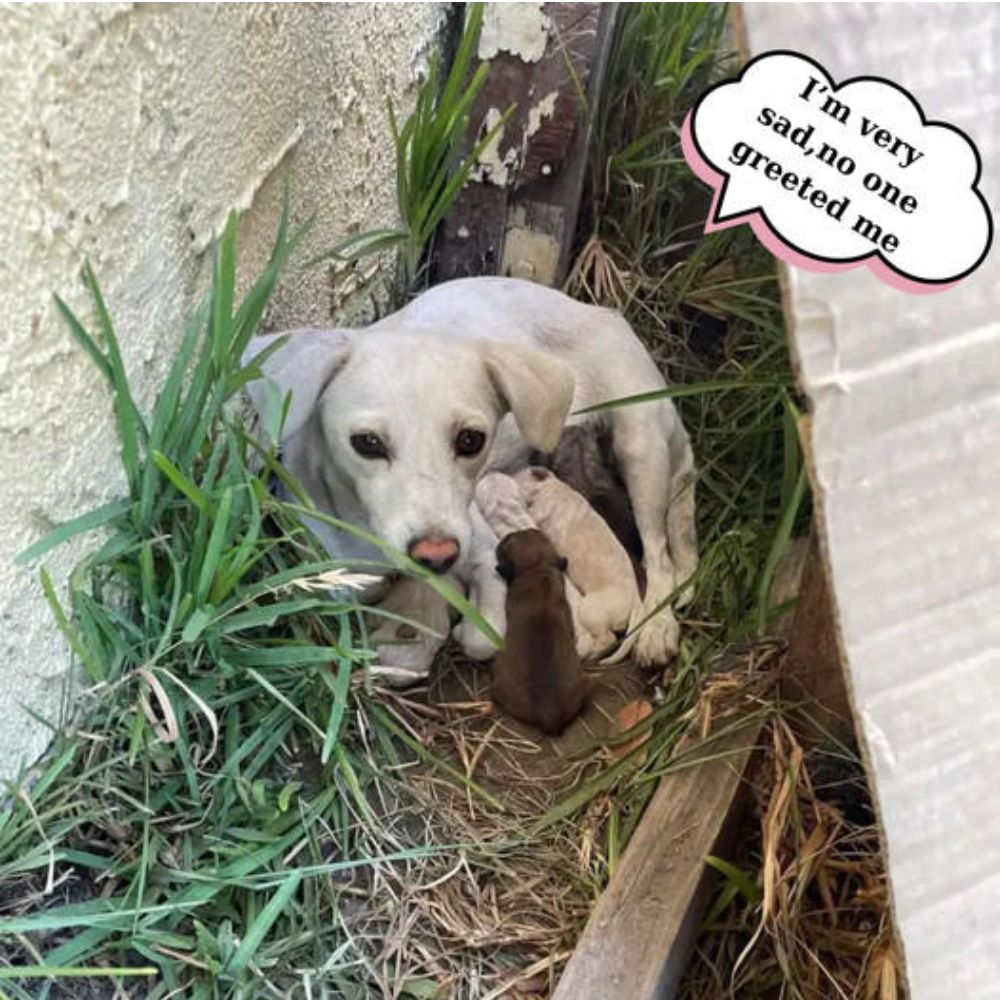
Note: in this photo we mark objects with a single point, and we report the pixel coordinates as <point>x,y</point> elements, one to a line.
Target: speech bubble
<point>833,176</point>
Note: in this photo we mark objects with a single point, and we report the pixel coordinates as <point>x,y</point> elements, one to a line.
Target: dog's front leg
<point>652,470</point>
<point>487,592</point>
<point>406,651</point>
<point>488,595</point>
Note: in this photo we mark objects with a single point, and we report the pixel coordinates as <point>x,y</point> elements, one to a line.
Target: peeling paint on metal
<point>522,29</point>
<point>545,108</point>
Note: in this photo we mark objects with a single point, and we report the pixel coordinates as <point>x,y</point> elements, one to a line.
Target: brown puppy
<point>537,676</point>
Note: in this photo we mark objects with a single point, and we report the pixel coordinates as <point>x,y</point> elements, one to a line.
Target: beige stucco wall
<point>127,132</point>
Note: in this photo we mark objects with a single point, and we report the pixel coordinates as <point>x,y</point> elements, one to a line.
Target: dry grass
<point>499,915</point>
<point>529,830</point>
<point>821,926</point>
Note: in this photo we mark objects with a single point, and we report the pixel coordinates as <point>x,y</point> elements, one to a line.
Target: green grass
<point>195,821</point>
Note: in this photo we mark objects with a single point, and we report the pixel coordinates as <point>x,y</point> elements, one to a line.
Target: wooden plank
<point>640,934</point>
<point>542,218</point>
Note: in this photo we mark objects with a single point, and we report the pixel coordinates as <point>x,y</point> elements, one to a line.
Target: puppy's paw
<point>586,646</point>
<point>475,645</point>
<point>592,647</point>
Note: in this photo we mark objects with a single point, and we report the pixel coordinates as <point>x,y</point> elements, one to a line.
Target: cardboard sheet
<point>905,392</point>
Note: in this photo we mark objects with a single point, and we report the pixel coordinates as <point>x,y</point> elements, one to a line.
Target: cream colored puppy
<point>599,567</point>
<point>499,500</point>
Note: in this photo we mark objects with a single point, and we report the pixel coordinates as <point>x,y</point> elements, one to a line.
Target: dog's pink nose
<point>436,553</point>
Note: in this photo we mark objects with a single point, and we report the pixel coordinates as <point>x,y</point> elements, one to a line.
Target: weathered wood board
<point>640,934</point>
<point>813,674</point>
<point>518,214</point>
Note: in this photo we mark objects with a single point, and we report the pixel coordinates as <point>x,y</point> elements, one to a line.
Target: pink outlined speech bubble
<point>832,176</point>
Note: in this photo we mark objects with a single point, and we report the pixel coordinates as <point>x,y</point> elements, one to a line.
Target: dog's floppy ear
<point>303,366</point>
<point>536,388</point>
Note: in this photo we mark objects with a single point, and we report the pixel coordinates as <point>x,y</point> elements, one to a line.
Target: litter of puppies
<point>570,558</point>
<point>599,566</point>
<point>571,582</point>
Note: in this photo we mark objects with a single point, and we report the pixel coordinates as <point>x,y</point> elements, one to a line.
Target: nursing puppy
<point>584,459</point>
<point>599,566</point>
<point>498,499</point>
<point>537,676</point>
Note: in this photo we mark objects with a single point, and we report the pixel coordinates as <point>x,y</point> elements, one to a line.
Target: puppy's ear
<point>562,564</point>
<point>300,362</point>
<point>534,386</point>
<point>505,570</point>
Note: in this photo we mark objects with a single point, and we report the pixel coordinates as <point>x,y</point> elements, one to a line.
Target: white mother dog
<point>390,426</point>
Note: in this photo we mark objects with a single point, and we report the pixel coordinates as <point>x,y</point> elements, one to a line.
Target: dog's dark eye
<point>369,445</point>
<point>469,442</point>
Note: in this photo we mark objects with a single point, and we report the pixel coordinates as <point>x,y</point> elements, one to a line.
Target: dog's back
<point>537,676</point>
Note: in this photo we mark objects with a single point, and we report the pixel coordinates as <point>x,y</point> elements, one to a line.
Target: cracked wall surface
<point>127,134</point>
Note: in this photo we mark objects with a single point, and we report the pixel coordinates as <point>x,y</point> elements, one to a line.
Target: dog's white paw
<point>654,643</point>
<point>475,645</point>
<point>404,654</point>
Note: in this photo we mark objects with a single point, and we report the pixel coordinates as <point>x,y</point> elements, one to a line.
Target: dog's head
<point>522,551</point>
<point>401,424</point>
<point>500,502</point>
<point>535,480</point>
